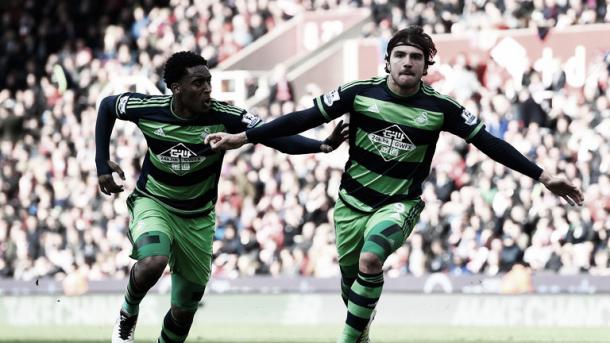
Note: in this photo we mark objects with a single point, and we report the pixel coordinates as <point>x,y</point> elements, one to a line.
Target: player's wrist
<point>102,167</point>
<point>243,138</point>
<point>544,178</point>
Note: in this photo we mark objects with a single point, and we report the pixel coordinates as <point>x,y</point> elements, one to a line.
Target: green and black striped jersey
<point>179,171</point>
<point>392,138</point>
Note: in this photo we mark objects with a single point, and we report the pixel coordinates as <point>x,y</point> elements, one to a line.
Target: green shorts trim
<point>155,231</point>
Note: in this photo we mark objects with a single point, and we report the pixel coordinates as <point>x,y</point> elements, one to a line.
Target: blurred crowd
<point>275,211</point>
<point>456,16</point>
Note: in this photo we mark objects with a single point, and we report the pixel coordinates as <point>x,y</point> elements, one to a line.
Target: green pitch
<point>317,334</point>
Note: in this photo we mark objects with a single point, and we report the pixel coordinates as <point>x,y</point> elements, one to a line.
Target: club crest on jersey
<point>469,118</point>
<point>205,133</point>
<point>331,97</point>
<point>251,120</point>
<point>180,159</point>
<point>391,142</point>
<point>422,118</point>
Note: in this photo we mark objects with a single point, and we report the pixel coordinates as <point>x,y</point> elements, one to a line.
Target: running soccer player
<point>394,126</point>
<point>172,206</point>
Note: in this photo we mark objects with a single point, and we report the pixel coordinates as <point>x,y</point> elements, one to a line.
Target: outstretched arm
<point>103,131</point>
<point>296,144</point>
<point>286,125</point>
<point>501,151</point>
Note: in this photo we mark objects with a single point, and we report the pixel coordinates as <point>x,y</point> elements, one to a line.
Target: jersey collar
<point>391,92</point>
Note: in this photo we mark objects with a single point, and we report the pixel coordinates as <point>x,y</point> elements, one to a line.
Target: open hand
<point>561,187</point>
<point>106,182</point>
<point>334,140</point>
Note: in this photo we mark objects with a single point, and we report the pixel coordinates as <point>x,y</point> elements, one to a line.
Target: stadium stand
<point>274,210</point>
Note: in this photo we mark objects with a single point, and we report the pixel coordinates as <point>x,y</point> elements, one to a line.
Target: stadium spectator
<point>281,89</point>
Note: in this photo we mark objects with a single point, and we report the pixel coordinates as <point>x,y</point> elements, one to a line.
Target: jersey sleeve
<point>336,102</point>
<point>125,106</point>
<point>460,122</point>
<point>238,119</point>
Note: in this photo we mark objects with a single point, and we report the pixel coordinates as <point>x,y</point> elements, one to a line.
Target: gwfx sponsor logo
<point>180,159</point>
<point>391,142</point>
<point>180,153</point>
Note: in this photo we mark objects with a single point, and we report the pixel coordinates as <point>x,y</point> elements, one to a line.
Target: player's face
<point>195,89</point>
<point>407,66</point>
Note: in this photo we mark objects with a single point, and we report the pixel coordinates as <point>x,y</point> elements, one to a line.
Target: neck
<point>402,91</point>
<point>181,112</point>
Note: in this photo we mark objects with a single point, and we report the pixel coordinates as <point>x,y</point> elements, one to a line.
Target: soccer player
<point>172,206</point>
<point>394,125</point>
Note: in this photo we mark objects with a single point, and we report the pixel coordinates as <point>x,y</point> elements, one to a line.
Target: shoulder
<point>143,101</point>
<point>144,97</point>
<point>224,107</point>
<point>234,116</point>
<point>444,101</point>
<point>350,90</point>
<point>135,105</point>
<point>363,84</point>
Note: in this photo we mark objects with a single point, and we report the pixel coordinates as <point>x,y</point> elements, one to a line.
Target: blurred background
<point>535,72</point>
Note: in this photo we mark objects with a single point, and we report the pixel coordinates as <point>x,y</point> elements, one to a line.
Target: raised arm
<point>502,152</point>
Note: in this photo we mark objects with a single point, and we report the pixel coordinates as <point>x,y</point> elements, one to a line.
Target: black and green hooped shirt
<point>392,138</point>
<point>178,170</point>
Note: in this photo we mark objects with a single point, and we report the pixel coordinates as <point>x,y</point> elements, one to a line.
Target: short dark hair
<point>415,36</point>
<point>176,65</point>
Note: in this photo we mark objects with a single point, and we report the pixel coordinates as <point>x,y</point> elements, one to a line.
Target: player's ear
<point>387,62</point>
<point>175,87</point>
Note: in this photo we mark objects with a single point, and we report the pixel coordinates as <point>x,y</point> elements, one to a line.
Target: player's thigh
<point>389,227</point>
<point>149,228</point>
<point>192,248</point>
<point>349,232</point>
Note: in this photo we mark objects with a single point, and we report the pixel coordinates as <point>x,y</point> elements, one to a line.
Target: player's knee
<point>370,263</point>
<point>151,268</point>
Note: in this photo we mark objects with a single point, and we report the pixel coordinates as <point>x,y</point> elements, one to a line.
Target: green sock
<point>348,276</point>
<point>362,299</point>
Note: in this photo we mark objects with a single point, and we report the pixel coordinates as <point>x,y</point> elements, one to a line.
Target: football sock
<point>172,331</point>
<point>362,299</point>
<point>348,276</point>
<point>133,296</point>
